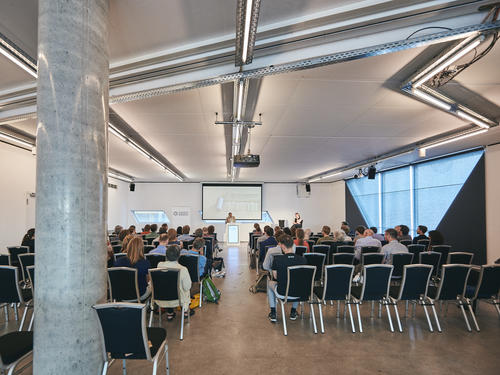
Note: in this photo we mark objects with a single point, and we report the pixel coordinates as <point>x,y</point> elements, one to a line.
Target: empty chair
<point>4,260</point>
<point>413,287</point>
<point>405,242</point>
<point>337,287</point>
<point>300,250</point>
<point>460,258</point>
<point>14,252</point>
<point>317,260</point>
<point>322,249</point>
<point>416,250</point>
<point>343,258</point>
<point>10,292</point>
<point>190,261</point>
<point>209,248</point>
<point>299,288</point>
<point>376,282</point>
<point>372,258</point>
<point>423,242</point>
<point>451,288</point>
<point>333,249</point>
<point>345,249</point>
<point>14,347</point>
<point>125,336</point>
<point>154,259</point>
<point>432,258</point>
<point>399,260</point>
<point>30,270</point>
<point>123,284</point>
<point>26,260</point>
<point>444,250</point>
<point>370,249</point>
<point>119,255</point>
<point>117,249</point>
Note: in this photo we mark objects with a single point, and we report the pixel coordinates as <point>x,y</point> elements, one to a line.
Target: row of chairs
<point>416,286</point>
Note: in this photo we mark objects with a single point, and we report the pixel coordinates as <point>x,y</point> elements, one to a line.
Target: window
<point>396,198</point>
<point>266,218</point>
<point>150,216</point>
<point>366,195</point>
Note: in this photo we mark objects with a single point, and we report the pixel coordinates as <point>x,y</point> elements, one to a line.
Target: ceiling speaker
<point>371,172</point>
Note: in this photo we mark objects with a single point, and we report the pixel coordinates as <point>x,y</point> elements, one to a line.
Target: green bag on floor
<point>210,292</point>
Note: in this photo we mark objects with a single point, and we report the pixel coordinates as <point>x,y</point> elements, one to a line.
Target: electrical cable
<point>426,28</point>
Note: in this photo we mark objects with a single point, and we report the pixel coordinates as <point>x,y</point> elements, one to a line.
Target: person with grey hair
<point>172,256</point>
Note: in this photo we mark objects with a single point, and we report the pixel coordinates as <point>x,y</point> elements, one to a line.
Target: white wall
<point>17,211</point>
<point>492,161</point>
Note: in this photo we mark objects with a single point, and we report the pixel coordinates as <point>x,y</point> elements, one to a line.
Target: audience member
<point>268,261</point>
<point>29,240</point>
<point>345,227</point>
<point>198,233</point>
<point>287,230</point>
<point>163,228</point>
<point>131,230</point>
<point>263,237</point>
<point>300,240</point>
<point>172,237</point>
<point>393,246</point>
<point>341,236</point>
<point>366,240</point>
<point>154,233</point>
<point>277,227</point>
<point>376,235</point>
<point>162,247</point>
<point>325,231</point>
<point>435,238</point>
<point>110,254</point>
<point>256,229</point>
<point>185,236</point>
<point>172,254</point>
<point>118,229</point>
<point>270,241</point>
<point>421,230</point>
<point>124,233</point>
<point>146,229</point>
<point>293,230</point>
<point>205,232</point>
<point>135,259</point>
<point>179,231</point>
<point>403,234</point>
<point>211,230</point>
<point>279,273</point>
<point>359,232</point>
<point>197,249</point>
<point>307,234</point>
<point>126,241</point>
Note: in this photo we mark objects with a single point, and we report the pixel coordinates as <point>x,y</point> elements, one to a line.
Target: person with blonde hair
<point>307,234</point>
<point>135,259</point>
<point>126,241</point>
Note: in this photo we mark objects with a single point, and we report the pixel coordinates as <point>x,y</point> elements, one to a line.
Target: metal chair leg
<point>6,311</point>
<point>338,309</point>
<point>427,316</point>
<point>31,320</point>
<point>151,316</point>
<point>473,316</point>
<point>124,368</point>
<point>311,307</point>
<point>389,316</point>
<point>201,289</point>
<point>15,312</point>
<point>397,317</point>
<point>283,317</point>
<point>380,310</point>
<point>24,317</point>
<point>321,319</point>
<point>182,324</point>
<point>105,368</point>
<point>359,318</point>
<point>371,311</point>
<point>436,317</point>
<point>465,316</point>
<point>155,366</point>
<point>350,315</point>
<point>167,364</point>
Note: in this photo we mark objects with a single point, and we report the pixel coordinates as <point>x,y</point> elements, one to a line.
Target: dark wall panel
<point>352,213</point>
<point>464,224</point>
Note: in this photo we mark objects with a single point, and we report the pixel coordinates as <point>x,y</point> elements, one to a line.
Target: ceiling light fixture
<point>120,177</point>
<point>473,119</point>
<point>323,177</point>
<point>431,99</point>
<point>117,133</point>
<point>19,62</point>
<point>453,139</point>
<point>19,141</point>
<point>241,87</point>
<point>247,16</point>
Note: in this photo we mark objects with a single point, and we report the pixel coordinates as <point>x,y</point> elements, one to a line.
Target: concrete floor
<point>235,337</point>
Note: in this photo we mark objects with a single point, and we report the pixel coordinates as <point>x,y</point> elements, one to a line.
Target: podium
<point>232,234</point>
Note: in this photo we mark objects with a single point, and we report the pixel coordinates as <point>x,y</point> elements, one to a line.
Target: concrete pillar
<point>71,186</point>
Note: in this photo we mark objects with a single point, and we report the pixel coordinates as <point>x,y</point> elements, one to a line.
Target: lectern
<point>233,234</point>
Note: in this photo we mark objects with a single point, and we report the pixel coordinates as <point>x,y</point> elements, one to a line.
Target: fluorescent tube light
<point>431,99</point>
<point>473,119</point>
<point>449,140</point>
<point>138,149</point>
<point>11,138</point>
<point>447,62</point>
<point>239,109</point>
<point>18,62</point>
<point>246,33</point>
<point>117,133</point>
<point>119,177</point>
<point>323,177</point>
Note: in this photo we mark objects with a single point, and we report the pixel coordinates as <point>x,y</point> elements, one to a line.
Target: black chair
<point>376,283</point>
<point>405,242</point>
<point>117,249</point>
<point>30,270</point>
<point>370,249</point>
<point>300,250</point>
<point>154,259</point>
<point>254,241</point>
<point>431,258</point>
<point>372,258</point>
<point>383,242</point>
<point>399,260</point>
<point>148,248</point>
<point>10,292</point>
<point>123,284</point>
<point>165,286</point>
<point>423,242</point>
<point>209,248</point>
<point>113,241</point>
<point>451,288</point>
<point>322,249</point>
<point>444,250</point>
<point>299,288</point>
<point>186,244</point>
<point>150,240</point>
<point>338,280</point>
<point>14,252</point>
<point>125,336</point>
<point>345,249</point>
<point>416,250</point>
<point>191,262</point>
<point>486,289</point>
<point>119,255</point>
<point>317,260</point>
<point>4,260</point>
<point>343,258</point>
<point>26,260</point>
<point>14,347</point>
<point>333,250</point>
<point>413,287</point>
<point>348,243</point>
<point>460,258</point>
<point>311,243</point>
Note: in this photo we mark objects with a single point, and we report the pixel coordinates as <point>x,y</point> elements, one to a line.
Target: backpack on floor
<point>210,292</point>
<point>260,284</point>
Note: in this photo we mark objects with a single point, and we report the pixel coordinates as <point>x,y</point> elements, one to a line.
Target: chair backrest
<point>31,275</point>
<point>148,248</point>
<point>338,280</point>
<point>123,330</point>
<point>343,258</point>
<point>489,282</point>
<point>423,242</point>
<point>370,249</point>
<point>165,283</point>
<point>150,240</point>
<point>399,260</point>
<point>4,260</point>
<point>10,291</point>
<point>322,249</point>
<point>416,250</point>
<point>415,281</point>
<point>254,241</point>
<point>432,258</point>
<point>117,249</point>
<point>345,249</point>
<point>311,243</point>
<point>119,255</point>
<point>317,260</point>
<point>405,242</point>
<point>348,243</point>
<point>154,259</point>
<point>372,258</point>
<point>453,281</point>
<point>444,250</point>
<point>300,282</point>
<point>376,281</point>
<point>14,252</point>
<point>383,242</point>
<point>209,249</point>
<point>333,249</point>
<point>113,242</point>
<point>459,258</point>
<point>300,250</point>
<point>123,284</point>
<point>190,261</point>
<point>26,260</point>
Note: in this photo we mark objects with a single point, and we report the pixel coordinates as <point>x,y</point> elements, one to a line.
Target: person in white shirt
<point>393,246</point>
<point>366,240</point>
<point>376,235</point>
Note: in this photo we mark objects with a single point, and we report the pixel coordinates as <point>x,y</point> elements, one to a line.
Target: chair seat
<point>156,336</point>
<point>432,292</point>
<point>283,297</point>
<point>394,291</point>
<point>356,291</point>
<point>14,345</point>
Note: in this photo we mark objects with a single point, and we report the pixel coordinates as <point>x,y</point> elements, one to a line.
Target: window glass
<point>396,205</point>
<point>150,216</point>
<point>365,193</point>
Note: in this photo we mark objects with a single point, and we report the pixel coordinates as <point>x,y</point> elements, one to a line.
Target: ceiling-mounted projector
<point>246,161</point>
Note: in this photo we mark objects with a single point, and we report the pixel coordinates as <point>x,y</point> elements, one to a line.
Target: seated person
<point>172,254</point>
<point>185,234</point>
<point>162,246</point>
<point>263,237</point>
<point>393,246</point>
<point>153,233</point>
<point>307,234</point>
<point>172,237</point>
<point>270,241</point>
<point>421,230</point>
<point>435,238</point>
<point>124,233</point>
<point>300,241</point>
<point>135,259</point>
<point>279,273</point>
<point>146,230</point>
<point>366,240</point>
<point>29,240</point>
<point>376,235</point>
<point>197,249</point>
<point>256,229</point>
<point>359,232</point>
<point>325,231</point>
<point>205,231</point>
<point>345,227</point>
<point>341,236</point>
<point>403,231</point>
<point>198,233</point>
<point>118,229</point>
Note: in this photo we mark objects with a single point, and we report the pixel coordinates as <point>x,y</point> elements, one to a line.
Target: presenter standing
<point>297,221</point>
<point>230,218</point>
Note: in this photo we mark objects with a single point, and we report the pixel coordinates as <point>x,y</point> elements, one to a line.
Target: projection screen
<point>243,200</point>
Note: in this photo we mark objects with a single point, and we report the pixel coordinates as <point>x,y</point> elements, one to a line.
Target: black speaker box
<point>371,172</point>
<point>132,187</point>
<point>308,188</point>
